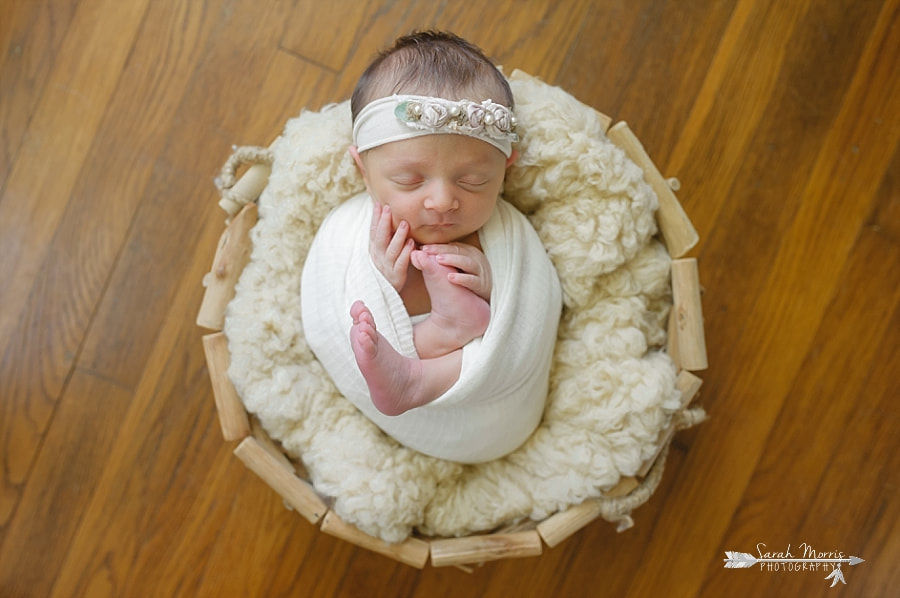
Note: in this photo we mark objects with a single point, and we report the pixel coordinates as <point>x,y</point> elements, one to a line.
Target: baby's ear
<point>359,163</point>
<point>355,153</point>
<point>512,158</point>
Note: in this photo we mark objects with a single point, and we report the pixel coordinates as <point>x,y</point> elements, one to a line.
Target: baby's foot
<point>394,381</point>
<point>459,313</point>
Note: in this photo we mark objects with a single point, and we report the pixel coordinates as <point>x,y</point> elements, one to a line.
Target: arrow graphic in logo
<point>745,560</point>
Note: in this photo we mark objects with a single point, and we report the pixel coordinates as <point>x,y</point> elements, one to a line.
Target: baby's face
<point>444,186</point>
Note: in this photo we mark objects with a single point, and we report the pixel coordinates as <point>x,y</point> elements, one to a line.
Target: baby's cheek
<point>399,213</point>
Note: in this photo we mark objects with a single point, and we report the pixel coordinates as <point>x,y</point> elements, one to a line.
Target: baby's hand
<point>390,250</point>
<point>474,269</point>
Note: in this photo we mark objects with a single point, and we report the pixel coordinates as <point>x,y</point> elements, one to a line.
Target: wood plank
<point>770,176</point>
<point>864,466</point>
<point>543,575</point>
<point>382,23</point>
<point>828,392</point>
<point>529,40</point>
<point>536,39</point>
<point>310,34</point>
<point>326,554</point>
<point>97,216</point>
<point>160,458</point>
<point>179,342</point>
<point>180,184</point>
<point>34,200</point>
<point>241,540</point>
<point>746,128</point>
<point>31,33</point>
<point>744,49</point>
<point>883,543</point>
<point>373,576</point>
<point>645,62</point>
<point>224,493</point>
<point>36,541</point>
<point>57,141</point>
<point>836,388</point>
<point>290,85</point>
<point>790,305</point>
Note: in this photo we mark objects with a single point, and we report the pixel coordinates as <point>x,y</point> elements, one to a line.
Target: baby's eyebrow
<point>473,166</point>
<point>406,163</point>
<point>412,162</point>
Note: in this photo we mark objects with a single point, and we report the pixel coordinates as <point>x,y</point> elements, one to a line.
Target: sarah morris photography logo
<point>807,559</point>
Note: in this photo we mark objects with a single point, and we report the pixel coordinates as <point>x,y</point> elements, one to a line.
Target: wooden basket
<point>264,456</point>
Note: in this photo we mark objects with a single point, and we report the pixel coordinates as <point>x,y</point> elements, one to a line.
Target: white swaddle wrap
<point>499,397</point>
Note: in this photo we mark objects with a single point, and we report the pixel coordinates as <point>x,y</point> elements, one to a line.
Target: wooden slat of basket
<point>232,415</point>
<point>411,551</point>
<point>605,120</point>
<point>688,315</point>
<point>689,385</point>
<point>272,447</point>
<point>623,488</point>
<point>490,547</point>
<point>672,340</point>
<point>674,224</point>
<point>280,477</point>
<point>560,526</point>
<point>232,255</point>
<point>247,188</point>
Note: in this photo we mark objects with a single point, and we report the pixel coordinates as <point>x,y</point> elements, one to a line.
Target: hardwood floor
<point>781,120</point>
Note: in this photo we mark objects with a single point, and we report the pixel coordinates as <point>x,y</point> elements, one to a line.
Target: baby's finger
<point>460,262</point>
<point>376,218</point>
<point>402,262</point>
<point>382,227</point>
<point>398,241</point>
<point>469,281</point>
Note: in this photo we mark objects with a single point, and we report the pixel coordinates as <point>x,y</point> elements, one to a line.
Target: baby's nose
<point>441,198</point>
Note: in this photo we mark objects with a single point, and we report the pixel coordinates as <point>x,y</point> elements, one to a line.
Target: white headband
<point>399,117</point>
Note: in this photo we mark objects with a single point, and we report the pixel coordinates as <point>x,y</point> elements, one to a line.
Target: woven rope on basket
<point>288,477</point>
<point>235,196</point>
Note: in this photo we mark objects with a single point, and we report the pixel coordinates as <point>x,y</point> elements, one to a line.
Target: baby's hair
<point>432,63</point>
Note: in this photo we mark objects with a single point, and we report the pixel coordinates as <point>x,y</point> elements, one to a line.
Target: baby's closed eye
<point>473,181</point>
<point>407,181</point>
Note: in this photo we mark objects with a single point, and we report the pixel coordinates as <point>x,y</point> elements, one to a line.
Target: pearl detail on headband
<point>472,118</point>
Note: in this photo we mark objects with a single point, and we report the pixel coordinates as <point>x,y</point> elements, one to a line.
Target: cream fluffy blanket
<point>611,387</point>
<point>499,397</point>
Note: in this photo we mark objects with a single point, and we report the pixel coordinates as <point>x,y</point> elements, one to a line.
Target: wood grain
<point>781,120</point>
<point>45,169</point>
<point>310,32</point>
<point>31,34</point>
<point>57,141</point>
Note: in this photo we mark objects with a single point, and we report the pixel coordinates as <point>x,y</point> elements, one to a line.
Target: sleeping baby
<point>448,298</point>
